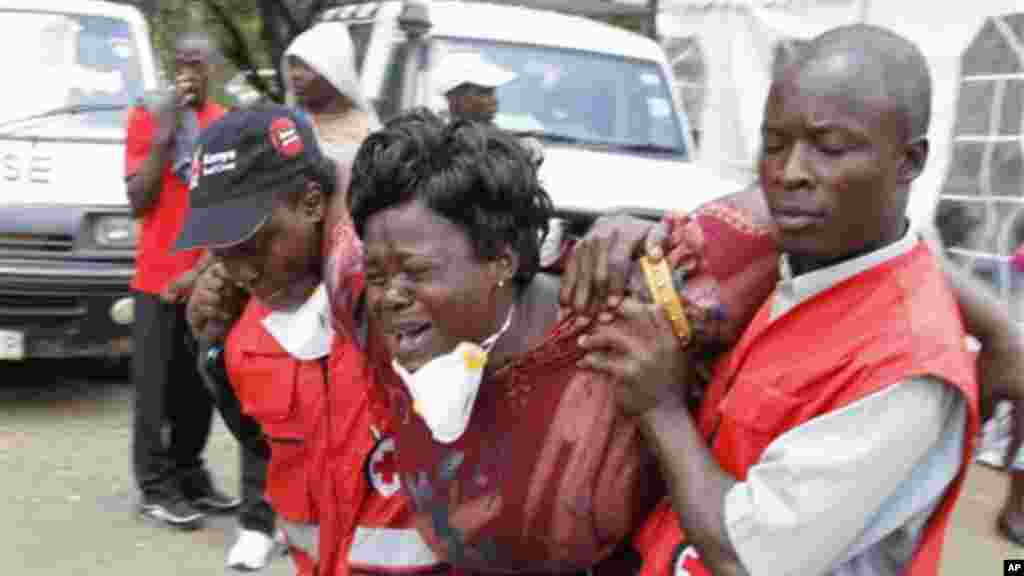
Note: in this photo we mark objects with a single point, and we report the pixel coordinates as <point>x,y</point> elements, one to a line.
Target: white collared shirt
<point>306,332</point>
<point>849,492</point>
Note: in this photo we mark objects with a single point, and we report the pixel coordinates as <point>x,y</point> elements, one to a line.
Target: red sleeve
<point>139,140</point>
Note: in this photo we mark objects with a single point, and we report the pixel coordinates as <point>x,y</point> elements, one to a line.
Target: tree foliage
<point>251,35</point>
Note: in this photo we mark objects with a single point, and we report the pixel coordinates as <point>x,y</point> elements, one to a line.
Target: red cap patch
<point>285,138</point>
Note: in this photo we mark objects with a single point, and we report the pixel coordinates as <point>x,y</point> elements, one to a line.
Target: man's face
<point>833,163</point>
<point>280,265</point>
<point>193,79</point>
<point>472,102</point>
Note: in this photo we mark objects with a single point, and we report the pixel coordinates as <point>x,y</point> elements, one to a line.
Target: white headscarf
<point>327,49</point>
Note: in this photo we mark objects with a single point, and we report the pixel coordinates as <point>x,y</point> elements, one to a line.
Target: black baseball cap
<point>240,163</point>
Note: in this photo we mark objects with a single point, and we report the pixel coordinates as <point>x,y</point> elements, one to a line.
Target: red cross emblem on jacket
<point>382,468</point>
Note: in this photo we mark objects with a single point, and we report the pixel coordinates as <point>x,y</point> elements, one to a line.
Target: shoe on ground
<point>174,510</point>
<point>251,551</point>
<point>198,488</point>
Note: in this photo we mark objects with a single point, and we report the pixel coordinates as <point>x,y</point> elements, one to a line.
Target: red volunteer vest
<point>892,322</point>
<point>285,395</point>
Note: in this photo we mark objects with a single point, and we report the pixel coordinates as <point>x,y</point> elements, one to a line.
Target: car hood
<point>591,181</point>
<point>63,163</point>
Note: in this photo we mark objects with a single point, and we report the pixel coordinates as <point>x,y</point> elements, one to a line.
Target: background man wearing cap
<point>173,410</point>
<point>469,83</point>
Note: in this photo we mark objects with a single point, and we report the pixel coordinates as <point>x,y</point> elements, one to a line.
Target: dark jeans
<point>173,409</point>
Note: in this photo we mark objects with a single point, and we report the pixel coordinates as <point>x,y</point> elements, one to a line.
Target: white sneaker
<point>251,551</point>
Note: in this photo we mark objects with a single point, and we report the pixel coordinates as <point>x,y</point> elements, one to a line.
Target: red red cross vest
<point>892,322</point>
<point>285,395</point>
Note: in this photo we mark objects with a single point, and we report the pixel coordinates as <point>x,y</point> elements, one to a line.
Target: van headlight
<point>115,232</point>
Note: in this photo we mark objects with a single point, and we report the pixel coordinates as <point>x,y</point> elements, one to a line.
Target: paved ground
<point>68,502</point>
<point>68,506</point>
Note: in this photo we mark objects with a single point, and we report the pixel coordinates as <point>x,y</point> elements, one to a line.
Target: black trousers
<point>173,408</point>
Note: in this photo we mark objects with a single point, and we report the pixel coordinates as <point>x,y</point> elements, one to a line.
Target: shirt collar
<point>793,290</point>
<point>306,332</point>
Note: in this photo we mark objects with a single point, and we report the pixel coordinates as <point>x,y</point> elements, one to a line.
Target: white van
<point>67,238</point>
<point>597,97</point>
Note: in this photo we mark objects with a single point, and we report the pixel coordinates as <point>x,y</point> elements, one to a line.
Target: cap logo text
<point>217,162</point>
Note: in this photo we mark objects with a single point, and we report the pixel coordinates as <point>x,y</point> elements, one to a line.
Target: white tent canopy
<point>738,39</point>
<point>976,164</point>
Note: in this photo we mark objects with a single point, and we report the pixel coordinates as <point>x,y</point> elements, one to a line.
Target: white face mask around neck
<point>444,390</point>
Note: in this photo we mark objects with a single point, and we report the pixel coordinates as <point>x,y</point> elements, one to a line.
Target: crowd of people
<point>778,383</point>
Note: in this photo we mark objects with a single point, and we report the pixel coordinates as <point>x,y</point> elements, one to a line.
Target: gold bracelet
<point>659,283</point>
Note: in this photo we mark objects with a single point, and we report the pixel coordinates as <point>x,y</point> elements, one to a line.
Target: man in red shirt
<point>173,410</point>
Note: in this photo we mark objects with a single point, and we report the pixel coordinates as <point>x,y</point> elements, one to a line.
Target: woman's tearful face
<point>426,287</point>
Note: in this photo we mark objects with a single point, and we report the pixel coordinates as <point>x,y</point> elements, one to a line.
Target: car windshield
<point>577,96</point>
<point>86,62</point>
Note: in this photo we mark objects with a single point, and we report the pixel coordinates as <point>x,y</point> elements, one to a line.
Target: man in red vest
<point>835,434</point>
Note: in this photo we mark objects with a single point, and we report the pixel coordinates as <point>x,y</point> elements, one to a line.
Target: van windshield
<point>577,96</point>
<point>68,60</point>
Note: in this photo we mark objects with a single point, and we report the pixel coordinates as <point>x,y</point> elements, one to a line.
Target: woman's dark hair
<point>474,175</point>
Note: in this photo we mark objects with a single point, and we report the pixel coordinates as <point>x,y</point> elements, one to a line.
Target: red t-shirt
<point>156,264</point>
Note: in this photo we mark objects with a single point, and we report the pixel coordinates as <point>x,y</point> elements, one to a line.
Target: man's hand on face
<point>597,271</point>
<point>640,351</point>
<point>185,91</point>
<point>215,304</point>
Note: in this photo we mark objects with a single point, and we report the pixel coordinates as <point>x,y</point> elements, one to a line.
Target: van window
<point>589,98</point>
<point>980,216</point>
<point>68,59</point>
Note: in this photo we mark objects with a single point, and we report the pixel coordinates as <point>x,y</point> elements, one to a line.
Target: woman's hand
<point>215,304</point>
<point>177,290</point>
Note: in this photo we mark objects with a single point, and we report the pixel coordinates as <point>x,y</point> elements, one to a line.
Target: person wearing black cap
<point>173,411</point>
<point>263,202</point>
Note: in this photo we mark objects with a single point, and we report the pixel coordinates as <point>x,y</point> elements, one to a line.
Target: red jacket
<point>285,396</point>
<point>890,323</point>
